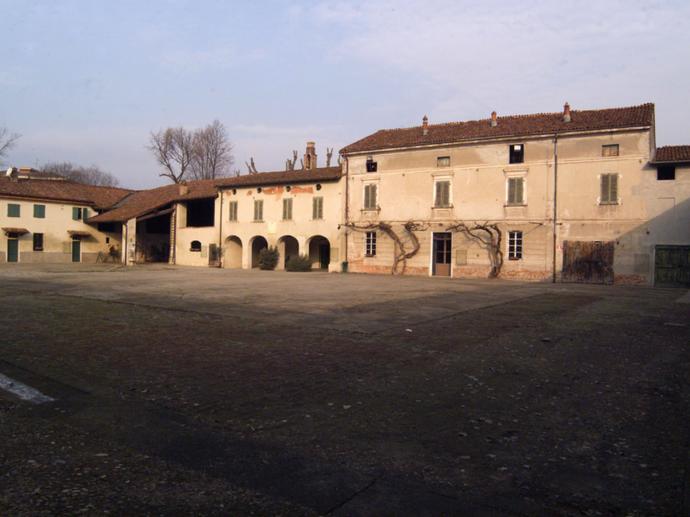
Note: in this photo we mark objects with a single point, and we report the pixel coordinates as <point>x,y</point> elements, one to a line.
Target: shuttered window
<point>516,191</point>
<point>39,211</point>
<point>84,213</point>
<point>258,210</point>
<point>317,208</point>
<point>38,242</point>
<point>609,189</point>
<point>13,210</point>
<point>370,244</point>
<point>442,194</point>
<point>232,208</point>
<point>609,150</point>
<point>287,209</point>
<point>370,196</point>
<point>76,213</point>
<point>443,161</point>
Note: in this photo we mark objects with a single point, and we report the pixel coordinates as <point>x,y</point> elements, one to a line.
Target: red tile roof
<point>65,191</point>
<point>510,126</point>
<point>672,154</point>
<point>145,201</point>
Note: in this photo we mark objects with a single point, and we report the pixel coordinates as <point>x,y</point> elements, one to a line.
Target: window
<point>666,172</point>
<point>516,191</point>
<point>370,196</point>
<point>39,211</point>
<point>38,242</point>
<point>370,244</point>
<point>232,207</point>
<point>517,153</point>
<point>258,210</point>
<point>76,213</point>
<point>13,210</point>
<point>195,246</point>
<point>371,165</point>
<point>514,245</point>
<point>442,194</point>
<point>317,208</point>
<point>443,161</point>
<point>609,150</point>
<point>287,209</point>
<point>609,189</point>
<point>106,227</point>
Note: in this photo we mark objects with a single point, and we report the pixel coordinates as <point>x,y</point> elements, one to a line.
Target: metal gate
<point>588,262</point>
<point>672,266</point>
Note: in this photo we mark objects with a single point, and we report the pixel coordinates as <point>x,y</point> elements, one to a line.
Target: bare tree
<point>487,236</point>
<point>7,141</point>
<point>329,156</point>
<point>290,163</point>
<point>212,152</point>
<point>91,175</point>
<point>251,166</point>
<point>173,149</point>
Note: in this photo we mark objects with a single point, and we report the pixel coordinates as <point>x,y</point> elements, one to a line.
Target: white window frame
<point>370,245</point>
<point>512,246</point>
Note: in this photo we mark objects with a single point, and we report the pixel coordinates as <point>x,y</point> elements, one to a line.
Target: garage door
<point>672,266</point>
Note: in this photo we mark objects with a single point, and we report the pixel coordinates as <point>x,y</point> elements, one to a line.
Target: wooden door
<point>672,266</point>
<point>588,262</point>
<point>441,254</point>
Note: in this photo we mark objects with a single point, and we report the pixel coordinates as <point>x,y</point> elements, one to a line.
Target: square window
<point>609,150</point>
<point>39,211</point>
<point>13,210</point>
<point>514,245</point>
<point>443,161</point>
<point>517,153</point>
<point>370,244</point>
<point>38,242</point>
<point>371,165</point>
<point>371,196</point>
<point>666,172</point>
<point>516,191</point>
<point>442,194</point>
<point>609,189</point>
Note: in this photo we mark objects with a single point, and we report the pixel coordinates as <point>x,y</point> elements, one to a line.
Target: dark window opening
<point>517,153</point>
<point>666,172</point>
<point>195,246</point>
<point>371,165</point>
<point>160,225</point>
<point>38,242</point>
<point>200,212</point>
<point>106,227</point>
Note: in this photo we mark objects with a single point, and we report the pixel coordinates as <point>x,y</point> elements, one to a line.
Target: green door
<point>672,266</point>
<point>12,250</point>
<point>76,250</point>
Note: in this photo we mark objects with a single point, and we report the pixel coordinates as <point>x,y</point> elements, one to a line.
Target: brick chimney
<point>425,125</point>
<point>494,119</point>
<point>310,156</point>
<point>566,112</point>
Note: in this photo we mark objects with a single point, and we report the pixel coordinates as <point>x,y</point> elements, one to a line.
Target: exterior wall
<point>649,212</point>
<point>54,227</point>
<point>207,235</point>
<point>273,228</point>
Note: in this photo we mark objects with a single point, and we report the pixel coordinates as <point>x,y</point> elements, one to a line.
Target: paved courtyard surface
<point>203,391</point>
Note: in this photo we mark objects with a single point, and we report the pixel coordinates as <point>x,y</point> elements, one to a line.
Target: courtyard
<point>206,391</point>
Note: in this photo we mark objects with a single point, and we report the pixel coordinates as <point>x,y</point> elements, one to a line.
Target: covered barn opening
<point>153,237</point>
<point>200,212</point>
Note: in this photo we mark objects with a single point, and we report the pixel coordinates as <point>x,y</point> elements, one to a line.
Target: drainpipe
<point>124,247</point>
<point>220,231</point>
<point>173,235</point>
<point>347,204</point>
<point>555,202</point>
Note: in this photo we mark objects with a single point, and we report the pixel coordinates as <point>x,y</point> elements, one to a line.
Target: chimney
<point>494,119</point>
<point>425,125</point>
<point>566,112</point>
<point>310,156</point>
<point>12,173</point>
<point>183,188</point>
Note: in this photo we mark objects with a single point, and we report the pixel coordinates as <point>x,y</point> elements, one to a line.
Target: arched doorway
<point>319,252</point>
<point>288,247</point>
<point>232,255</point>
<point>258,243</point>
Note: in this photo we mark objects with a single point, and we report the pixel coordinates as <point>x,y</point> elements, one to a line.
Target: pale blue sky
<point>86,81</point>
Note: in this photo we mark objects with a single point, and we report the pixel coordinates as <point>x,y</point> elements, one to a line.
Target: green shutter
<point>613,188</point>
<point>519,184</point>
<point>39,211</point>
<point>85,213</point>
<point>75,213</point>
<point>13,210</point>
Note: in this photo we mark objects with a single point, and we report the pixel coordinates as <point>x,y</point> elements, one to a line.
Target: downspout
<point>347,205</point>
<point>125,243</point>
<point>555,202</point>
<point>173,235</point>
<point>220,231</point>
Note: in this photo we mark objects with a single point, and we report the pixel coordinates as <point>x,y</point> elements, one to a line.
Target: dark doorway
<point>320,252</point>
<point>76,249</point>
<point>588,262</point>
<point>441,255</point>
<point>258,243</point>
<point>12,249</point>
<point>672,266</point>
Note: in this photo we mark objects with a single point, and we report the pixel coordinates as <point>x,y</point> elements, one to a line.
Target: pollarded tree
<point>7,141</point>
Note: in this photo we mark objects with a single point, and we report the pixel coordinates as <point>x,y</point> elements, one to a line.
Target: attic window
<point>443,161</point>
<point>666,172</point>
<point>195,246</point>
<point>371,164</point>
<point>609,150</point>
<point>517,153</point>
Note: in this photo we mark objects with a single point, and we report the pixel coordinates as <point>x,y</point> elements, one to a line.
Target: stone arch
<point>232,252</point>
<point>319,252</point>
<point>257,244</point>
<point>288,246</point>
